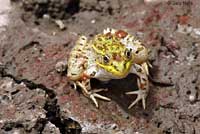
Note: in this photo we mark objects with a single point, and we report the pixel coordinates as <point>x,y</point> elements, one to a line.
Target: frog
<point>112,54</point>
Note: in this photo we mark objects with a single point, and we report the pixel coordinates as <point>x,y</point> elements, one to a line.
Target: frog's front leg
<point>143,84</point>
<point>92,94</point>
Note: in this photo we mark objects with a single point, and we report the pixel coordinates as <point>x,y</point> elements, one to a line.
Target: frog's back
<point>78,58</point>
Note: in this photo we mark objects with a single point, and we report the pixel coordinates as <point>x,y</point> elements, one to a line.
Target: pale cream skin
<point>111,55</point>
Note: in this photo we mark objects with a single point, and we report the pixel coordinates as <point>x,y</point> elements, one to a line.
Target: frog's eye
<point>128,53</point>
<point>106,59</point>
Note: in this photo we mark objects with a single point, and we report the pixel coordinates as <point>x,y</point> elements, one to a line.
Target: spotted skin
<point>112,54</point>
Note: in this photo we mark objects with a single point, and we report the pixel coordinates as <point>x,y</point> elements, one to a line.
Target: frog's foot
<point>141,95</point>
<point>93,94</point>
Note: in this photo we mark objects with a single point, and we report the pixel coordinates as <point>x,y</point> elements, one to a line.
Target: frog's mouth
<point>119,69</point>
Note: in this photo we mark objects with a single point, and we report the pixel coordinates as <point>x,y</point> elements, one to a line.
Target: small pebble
<point>192,97</point>
<point>17,132</point>
<point>46,16</point>
<point>53,33</point>
<point>185,29</point>
<point>61,66</point>
<point>113,126</point>
<point>196,31</point>
<point>93,21</point>
<point>60,24</point>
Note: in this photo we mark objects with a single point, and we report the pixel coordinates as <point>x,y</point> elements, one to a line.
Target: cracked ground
<point>35,98</point>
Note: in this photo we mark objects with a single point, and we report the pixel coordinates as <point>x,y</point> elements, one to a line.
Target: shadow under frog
<point>116,92</point>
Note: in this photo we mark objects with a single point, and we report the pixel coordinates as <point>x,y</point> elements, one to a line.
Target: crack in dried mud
<point>66,126</point>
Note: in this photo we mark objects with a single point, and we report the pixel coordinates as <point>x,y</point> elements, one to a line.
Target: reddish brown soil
<point>35,98</point>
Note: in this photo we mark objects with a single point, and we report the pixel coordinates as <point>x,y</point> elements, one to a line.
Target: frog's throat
<point>115,71</point>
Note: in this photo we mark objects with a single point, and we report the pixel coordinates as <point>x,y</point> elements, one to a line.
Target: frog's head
<point>112,55</point>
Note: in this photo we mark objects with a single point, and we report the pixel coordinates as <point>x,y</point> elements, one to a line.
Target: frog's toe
<point>141,95</point>
<point>101,97</point>
<point>94,100</point>
<point>93,95</point>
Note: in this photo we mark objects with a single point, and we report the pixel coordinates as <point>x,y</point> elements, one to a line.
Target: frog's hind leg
<point>92,94</point>
<point>143,84</point>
